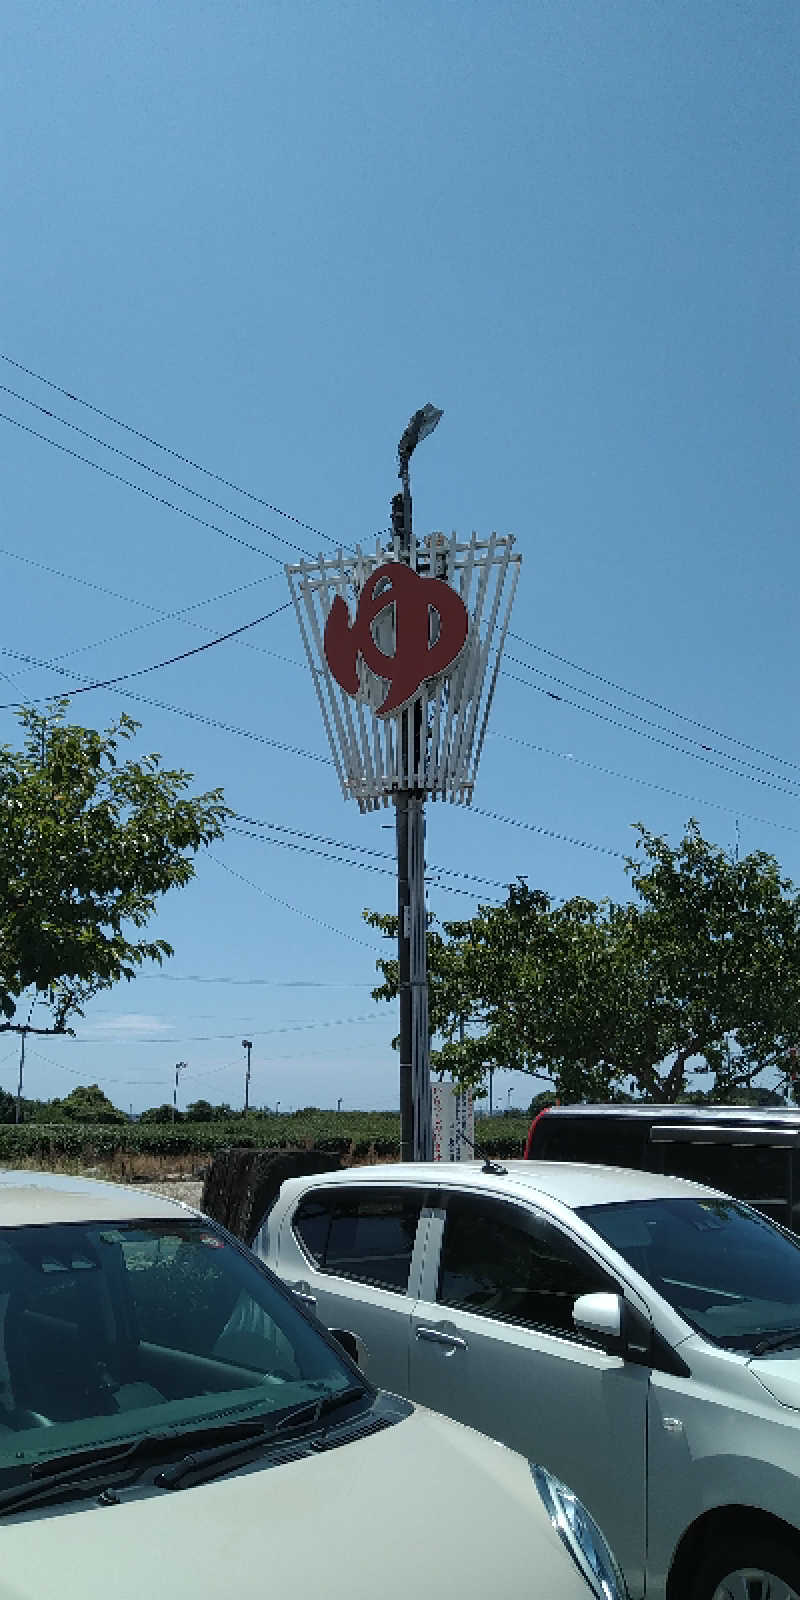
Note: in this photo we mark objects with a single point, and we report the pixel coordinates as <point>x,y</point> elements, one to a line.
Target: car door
<point>493,1345</point>
<point>352,1255</point>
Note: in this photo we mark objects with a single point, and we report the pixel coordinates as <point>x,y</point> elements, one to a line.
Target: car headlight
<point>578,1530</point>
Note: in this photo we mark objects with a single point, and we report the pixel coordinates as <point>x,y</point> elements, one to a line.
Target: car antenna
<point>488,1166</point>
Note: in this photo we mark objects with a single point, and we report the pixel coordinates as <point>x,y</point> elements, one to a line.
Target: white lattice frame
<point>375,756</point>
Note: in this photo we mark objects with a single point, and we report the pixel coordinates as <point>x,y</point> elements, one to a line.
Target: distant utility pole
<point>180,1066</point>
<point>18,1114</point>
<point>247,1044</point>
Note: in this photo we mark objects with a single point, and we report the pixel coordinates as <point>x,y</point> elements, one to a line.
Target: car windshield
<point>109,1332</point>
<point>730,1272</point>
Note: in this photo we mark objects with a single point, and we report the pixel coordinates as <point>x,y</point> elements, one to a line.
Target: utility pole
<point>18,1114</point>
<point>180,1066</point>
<point>247,1044</point>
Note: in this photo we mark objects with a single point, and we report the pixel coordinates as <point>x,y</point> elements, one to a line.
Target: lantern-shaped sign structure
<point>404,650</point>
<point>404,646</point>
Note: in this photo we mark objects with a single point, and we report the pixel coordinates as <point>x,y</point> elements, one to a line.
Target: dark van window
<point>367,1234</point>
<point>610,1141</point>
<point>758,1173</point>
<point>504,1263</point>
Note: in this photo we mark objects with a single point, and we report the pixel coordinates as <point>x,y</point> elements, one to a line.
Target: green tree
<point>704,963</point>
<point>88,1103</point>
<point>88,844</point>
<point>200,1111</point>
<point>716,947</point>
<point>163,1113</point>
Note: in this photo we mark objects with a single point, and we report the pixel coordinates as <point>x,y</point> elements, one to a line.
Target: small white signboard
<point>453,1123</point>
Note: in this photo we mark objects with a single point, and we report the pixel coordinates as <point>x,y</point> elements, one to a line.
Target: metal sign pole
<point>418,983</point>
<point>416,1139</point>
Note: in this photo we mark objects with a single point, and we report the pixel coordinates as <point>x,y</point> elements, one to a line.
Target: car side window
<point>505,1263</point>
<point>362,1233</point>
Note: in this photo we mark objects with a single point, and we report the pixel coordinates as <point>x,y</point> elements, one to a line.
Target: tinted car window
<point>502,1262</point>
<point>611,1141</point>
<point>755,1172</point>
<point>727,1270</point>
<point>367,1234</point>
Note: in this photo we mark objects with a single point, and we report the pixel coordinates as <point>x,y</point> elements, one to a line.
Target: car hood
<point>425,1501</point>
<point>780,1375</point>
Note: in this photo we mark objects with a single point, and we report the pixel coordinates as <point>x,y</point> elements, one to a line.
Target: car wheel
<point>748,1569</point>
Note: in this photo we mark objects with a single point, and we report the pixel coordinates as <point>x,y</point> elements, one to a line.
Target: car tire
<point>744,1568</point>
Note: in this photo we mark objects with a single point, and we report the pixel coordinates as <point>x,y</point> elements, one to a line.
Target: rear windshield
<point>729,1272</point>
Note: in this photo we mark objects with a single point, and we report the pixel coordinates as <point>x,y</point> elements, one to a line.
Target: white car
<point>637,1334</point>
<point>173,1424</point>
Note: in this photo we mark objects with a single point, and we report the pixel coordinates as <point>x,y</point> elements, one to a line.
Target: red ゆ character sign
<point>415,658</point>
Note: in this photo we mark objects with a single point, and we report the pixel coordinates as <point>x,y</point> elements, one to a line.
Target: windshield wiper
<point>310,1411</point>
<point>77,1470</point>
<point>776,1341</point>
<point>203,1465</point>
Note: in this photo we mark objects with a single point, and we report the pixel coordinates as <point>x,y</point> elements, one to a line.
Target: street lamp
<point>180,1066</point>
<point>247,1044</point>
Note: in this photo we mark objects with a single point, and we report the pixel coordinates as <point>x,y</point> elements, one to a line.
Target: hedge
<point>351,1134</point>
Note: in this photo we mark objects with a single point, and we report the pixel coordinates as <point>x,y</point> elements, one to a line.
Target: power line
<point>178,711</point>
<point>166,1043</point>
<point>657,705</point>
<point>159,499</point>
<point>139,672</point>
<point>433,874</point>
<point>179,614</point>
<point>649,783</point>
<point>550,833</point>
<point>157,444</point>
<point>307,915</point>
<point>156,472</point>
<point>750,777</point>
<point>673,733</point>
<point>252,983</point>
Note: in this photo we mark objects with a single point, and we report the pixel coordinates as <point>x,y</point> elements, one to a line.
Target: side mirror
<point>620,1327</point>
<point>601,1314</point>
<point>352,1345</point>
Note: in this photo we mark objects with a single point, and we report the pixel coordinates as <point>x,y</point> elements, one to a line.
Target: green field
<point>357,1135</point>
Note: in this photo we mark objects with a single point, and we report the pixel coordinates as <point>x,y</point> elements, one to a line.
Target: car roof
<point>767,1116</point>
<point>570,1183</point>
<point>40,1197</point>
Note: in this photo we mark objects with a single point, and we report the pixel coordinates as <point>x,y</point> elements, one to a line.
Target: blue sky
<point>264,235</point>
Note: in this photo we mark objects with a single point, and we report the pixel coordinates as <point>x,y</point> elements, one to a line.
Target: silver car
<point>637,1334</point>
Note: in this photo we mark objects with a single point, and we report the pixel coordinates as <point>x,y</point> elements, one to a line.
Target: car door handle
<point>452,1341</point>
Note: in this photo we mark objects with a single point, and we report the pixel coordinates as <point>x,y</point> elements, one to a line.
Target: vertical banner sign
<point>453,1123</point>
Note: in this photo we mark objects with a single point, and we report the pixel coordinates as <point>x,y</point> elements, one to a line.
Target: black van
<point>751,1153</point>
